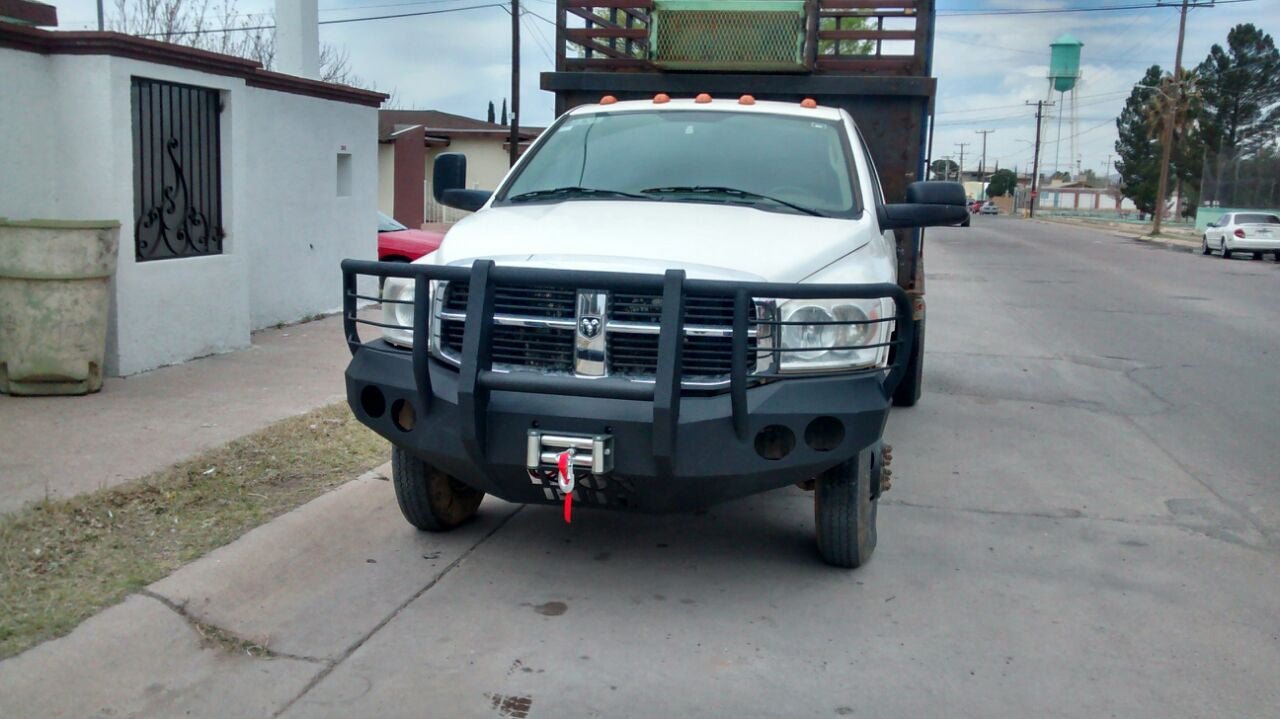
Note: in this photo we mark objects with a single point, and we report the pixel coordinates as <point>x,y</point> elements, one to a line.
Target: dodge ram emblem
<point>589,326</point>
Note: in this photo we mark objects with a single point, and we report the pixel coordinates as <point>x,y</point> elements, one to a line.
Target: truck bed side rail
<point>478,376</point>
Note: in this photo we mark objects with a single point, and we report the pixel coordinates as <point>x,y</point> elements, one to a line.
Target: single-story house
<point>410,140</point>
<point>1079,198</point>
<point>238,190</point>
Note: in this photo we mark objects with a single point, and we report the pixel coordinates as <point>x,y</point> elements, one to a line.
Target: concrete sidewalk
<point>61,446</point>
<point>247,629</point>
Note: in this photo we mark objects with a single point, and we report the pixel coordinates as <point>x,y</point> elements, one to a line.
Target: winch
<point>593,452</point>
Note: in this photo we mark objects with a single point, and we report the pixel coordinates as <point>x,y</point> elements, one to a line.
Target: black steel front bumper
<point>673,449</point>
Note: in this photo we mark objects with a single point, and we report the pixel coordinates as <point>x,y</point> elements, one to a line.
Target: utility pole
<point>960,171</point>
<point>1035,163</point>
<point>515,83</point>
<point>100,23</point>
<point>982,166</point>
<point>1166,137</point>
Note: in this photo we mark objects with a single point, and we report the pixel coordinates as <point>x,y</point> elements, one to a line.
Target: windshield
<point>1258,219</point>
<point>386,224</point>
<point>774,162</point>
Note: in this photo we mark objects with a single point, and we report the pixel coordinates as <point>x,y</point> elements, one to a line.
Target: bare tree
<point>220,27</point>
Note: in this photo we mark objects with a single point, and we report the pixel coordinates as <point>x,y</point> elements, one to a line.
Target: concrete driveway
<point>1083,523</point>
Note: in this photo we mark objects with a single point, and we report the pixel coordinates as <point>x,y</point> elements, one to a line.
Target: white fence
<point>436,213</point>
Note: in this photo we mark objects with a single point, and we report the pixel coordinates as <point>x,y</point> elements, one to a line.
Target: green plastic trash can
<point>55,283</point>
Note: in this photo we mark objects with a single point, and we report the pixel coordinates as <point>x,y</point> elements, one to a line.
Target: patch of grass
<point>62,561</point>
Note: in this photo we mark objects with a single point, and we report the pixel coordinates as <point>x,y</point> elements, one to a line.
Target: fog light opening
<point>824,434</point>
<point>775,441</point>
<point>402,415</point>
<point>372,401</point>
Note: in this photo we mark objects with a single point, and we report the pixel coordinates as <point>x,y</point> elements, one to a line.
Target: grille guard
<point>477,378</point>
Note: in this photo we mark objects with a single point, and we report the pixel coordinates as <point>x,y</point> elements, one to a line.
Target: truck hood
<point>708,241</point>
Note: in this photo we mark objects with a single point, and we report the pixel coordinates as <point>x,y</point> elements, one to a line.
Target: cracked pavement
<point>1085,521</point>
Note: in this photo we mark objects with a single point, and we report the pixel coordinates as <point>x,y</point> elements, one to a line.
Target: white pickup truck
<point>664,305</point>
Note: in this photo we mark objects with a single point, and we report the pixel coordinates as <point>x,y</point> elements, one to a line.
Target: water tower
<point>1064,76</point>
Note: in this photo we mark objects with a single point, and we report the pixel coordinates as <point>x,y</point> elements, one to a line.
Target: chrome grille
<point>543,348</point>
<point>630,328</point>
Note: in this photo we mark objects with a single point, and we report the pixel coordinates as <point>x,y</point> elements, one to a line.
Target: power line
<point>325,22</point>
<point>1004,107</point>
<point>1041,53</point>
<point>374,6</point>
<point>538,38</point>
<point>1097,8</point>
<point>527,11</point>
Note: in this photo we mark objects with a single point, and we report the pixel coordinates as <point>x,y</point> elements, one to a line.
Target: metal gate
<point>177,170</point>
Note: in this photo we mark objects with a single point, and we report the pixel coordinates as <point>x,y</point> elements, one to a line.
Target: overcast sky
<point>987,65</point>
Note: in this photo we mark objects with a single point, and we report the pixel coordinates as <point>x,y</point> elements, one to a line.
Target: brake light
<point>1239,232</point>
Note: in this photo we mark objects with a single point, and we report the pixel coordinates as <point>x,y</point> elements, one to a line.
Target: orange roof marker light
<point>702,98</point>
<point>809,103</point>
<point>608,100</point>
<point>661,98</point>
<point>746,100</point>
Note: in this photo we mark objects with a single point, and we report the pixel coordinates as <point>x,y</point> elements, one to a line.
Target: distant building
<point>1077,198</point>
<point>410,140</point>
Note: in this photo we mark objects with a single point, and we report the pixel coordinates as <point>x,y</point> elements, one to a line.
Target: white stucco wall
<point>68,154</point>
<point>295,225</point>
<point>26,173</point>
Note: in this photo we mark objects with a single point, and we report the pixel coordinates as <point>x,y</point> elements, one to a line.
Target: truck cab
<point>667,303</point>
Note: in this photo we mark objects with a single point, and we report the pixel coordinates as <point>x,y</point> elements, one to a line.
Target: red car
<point>397,243</point>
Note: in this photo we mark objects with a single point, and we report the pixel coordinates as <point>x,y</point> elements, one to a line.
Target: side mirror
<point>449,183</point>
<point>928,204</point>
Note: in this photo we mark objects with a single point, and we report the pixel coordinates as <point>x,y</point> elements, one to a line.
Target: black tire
<point>844,513</point>
<point>1226,253</point>
<point>430,499</point>
<point>1257,255</point>
<point>966,222</point>
<point>1204,246</point>
<point>912,384</point>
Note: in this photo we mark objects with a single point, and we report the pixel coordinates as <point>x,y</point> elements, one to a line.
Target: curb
<point>1170,242</point>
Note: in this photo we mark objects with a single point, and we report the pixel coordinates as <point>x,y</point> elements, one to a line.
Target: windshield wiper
<point>573,191</point>
<point>732,192</point>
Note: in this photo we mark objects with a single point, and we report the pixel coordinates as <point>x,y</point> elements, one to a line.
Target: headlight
<point>826,344</point>
<point>397,309</point>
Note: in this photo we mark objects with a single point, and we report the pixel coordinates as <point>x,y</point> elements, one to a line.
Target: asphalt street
<point>1084,522</point>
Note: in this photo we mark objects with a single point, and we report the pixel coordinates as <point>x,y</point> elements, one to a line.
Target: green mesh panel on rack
<point>728,34</point>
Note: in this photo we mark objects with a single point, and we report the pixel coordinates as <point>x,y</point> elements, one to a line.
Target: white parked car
<point>990,208</point>
<point>1255,232</point>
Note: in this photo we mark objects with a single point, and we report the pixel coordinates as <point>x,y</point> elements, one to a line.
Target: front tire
<point>1204,246</point>
<point>844,511</point>
<point>430,499</point>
